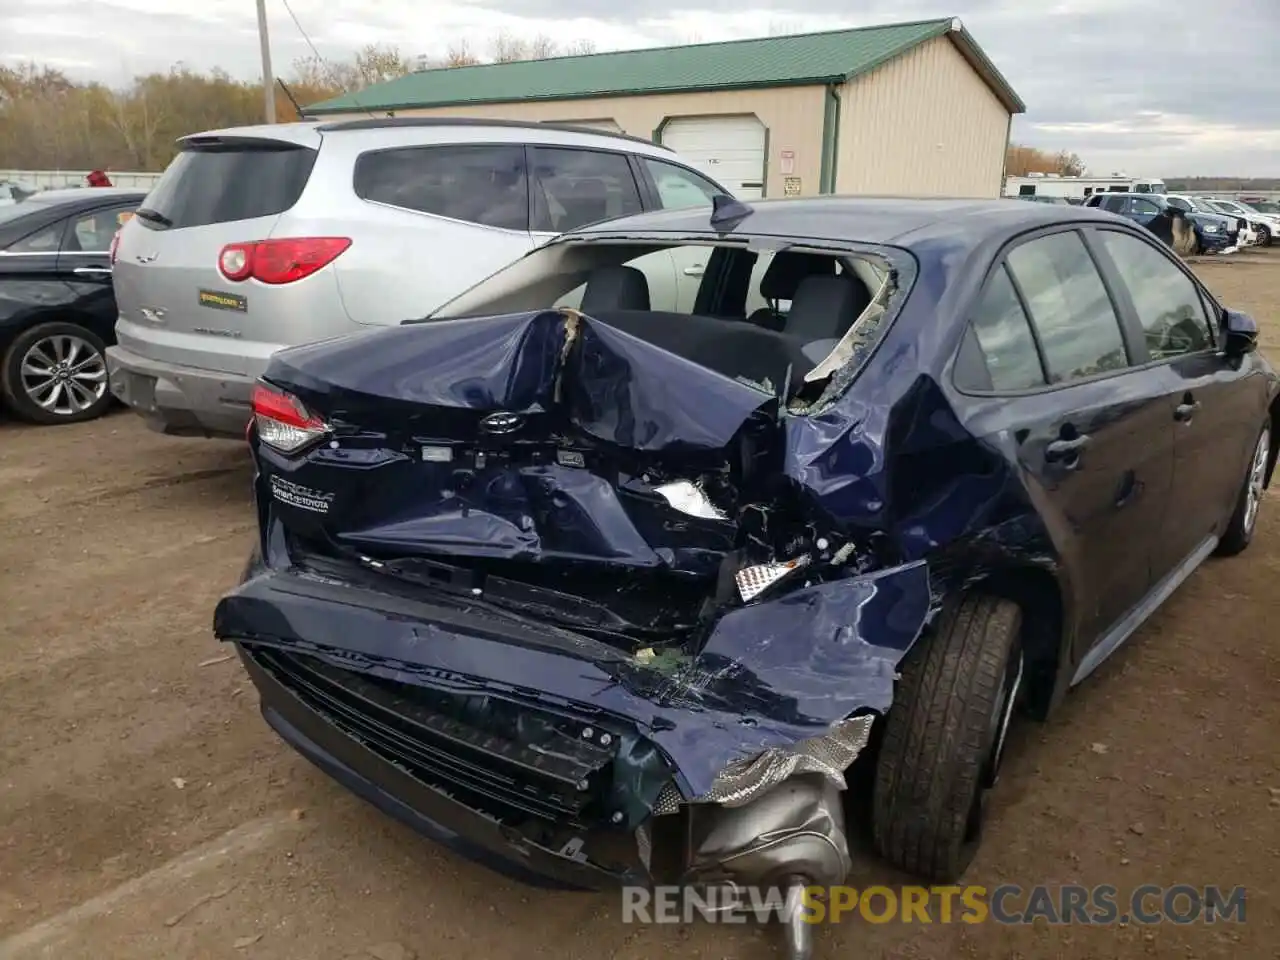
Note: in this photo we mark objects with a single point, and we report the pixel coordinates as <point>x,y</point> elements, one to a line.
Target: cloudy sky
<point>1155,87</point>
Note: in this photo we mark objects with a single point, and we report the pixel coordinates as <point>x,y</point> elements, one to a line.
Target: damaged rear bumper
<point>422,806</point>
<point>772,674</point>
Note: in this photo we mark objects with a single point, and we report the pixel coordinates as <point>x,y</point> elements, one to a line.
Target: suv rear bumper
<point>181,401</point>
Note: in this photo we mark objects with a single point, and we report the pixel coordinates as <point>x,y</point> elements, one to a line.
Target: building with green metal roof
<point>908,108</point>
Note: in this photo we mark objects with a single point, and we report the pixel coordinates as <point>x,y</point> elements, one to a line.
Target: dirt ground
<point>146,811</point>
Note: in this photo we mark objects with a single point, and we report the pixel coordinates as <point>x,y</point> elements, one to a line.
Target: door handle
<point>1183,412</point>
<point>694,271</point>
<point>92,271</point>
<point>1066,451</point>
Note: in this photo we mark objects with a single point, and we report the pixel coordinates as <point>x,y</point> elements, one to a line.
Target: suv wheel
<point>1244,519</point>
<point>944,738</point>
<point>1264,235</point>
<point>56,373</point>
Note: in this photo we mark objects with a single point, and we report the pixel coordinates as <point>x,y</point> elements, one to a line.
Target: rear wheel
<point>1264,236</point>
<point>56,373</point>
<point>1244,519</point>
<point>944,738</point>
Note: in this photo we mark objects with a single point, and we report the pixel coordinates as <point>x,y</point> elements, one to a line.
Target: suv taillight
<point>283,421</point>
<point>279,261</point>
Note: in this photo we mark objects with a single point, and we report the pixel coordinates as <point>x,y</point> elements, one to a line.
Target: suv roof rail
<point>380,123</point>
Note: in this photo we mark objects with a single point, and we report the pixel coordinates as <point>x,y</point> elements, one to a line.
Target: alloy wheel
<point>1257,477</point>
<point>63,374</point>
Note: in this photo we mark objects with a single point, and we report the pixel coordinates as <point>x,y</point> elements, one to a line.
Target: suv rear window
<point>229,180</point>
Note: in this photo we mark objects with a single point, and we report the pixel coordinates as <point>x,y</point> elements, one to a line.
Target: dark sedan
<point>1156,211</point>
<point>610,594</point>
<point>57,307</point>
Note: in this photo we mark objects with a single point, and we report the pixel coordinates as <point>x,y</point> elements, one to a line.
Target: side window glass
<point>577,187</point>
<point>1169,304</point>
<point>1116,204</point>
<point>92,233</point>
<point>42,241</point>
<point>1004,334</point>
<point>679,188</point>
<point>1072,314</point>
<point>1144,208</point>
<point>483,184</point>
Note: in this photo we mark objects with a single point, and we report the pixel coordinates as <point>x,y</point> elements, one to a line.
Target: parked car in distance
<point>57,309</point>
<point>1261,204</point>
<point>264,237</point>
<point>1214,232</point>
<point>629,594</point>
<point>1267,224</point>
<point>1248,232</point>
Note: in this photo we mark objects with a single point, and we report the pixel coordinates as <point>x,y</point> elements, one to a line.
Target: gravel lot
<point>146,810</point>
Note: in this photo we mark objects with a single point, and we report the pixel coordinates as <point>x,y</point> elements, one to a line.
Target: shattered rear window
<point>786,318</point>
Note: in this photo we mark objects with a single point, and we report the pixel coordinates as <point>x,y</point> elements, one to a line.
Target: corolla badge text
<point>502,422</point>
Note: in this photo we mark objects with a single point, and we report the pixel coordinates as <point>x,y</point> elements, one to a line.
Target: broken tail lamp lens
<point>283,421</point>
<point>741,781</point>
<point>755,580</point>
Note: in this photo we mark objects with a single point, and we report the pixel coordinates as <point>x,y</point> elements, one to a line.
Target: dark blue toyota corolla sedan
<point>599,592</point>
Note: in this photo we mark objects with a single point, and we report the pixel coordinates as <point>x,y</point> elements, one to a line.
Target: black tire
<point>940,754</point>
<point>1243,522</point>
<point>1264,236</point>
<point>14,386</point>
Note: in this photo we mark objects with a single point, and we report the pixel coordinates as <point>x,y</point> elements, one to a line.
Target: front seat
<point>615,288</point>
<point>822,311</point>
<point>782,278</point>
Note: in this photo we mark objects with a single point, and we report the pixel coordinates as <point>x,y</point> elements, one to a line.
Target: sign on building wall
<point>791,186</point>
<point>788,164</point>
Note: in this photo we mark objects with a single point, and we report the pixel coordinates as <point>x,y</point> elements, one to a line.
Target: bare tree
<point>1069,164</point>
<point>460,55</point>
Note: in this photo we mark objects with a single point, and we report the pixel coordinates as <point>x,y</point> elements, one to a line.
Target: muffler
<point>791,837</point>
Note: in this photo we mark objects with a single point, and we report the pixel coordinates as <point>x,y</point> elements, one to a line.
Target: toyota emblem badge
<point>502,422</point>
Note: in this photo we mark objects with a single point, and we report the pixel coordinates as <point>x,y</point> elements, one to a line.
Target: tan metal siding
<point>923,124</point>
<point>792,116</point>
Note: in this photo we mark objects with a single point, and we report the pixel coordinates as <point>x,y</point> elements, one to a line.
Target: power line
<point>321,61</point>
<point>297,23</point>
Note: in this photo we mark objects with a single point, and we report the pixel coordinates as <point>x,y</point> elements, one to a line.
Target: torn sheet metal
<point>771,674</point>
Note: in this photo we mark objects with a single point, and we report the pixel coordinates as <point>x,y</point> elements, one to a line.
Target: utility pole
<point>268,79</point>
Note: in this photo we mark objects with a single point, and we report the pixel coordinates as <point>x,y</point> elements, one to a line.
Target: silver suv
<point>259,238</point>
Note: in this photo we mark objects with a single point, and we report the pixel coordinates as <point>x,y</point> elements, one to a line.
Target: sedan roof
<point>897,221</point>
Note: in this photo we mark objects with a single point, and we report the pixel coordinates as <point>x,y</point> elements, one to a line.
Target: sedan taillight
<point>283,421</point>
<point>115,247</point>
<point>279,261</point>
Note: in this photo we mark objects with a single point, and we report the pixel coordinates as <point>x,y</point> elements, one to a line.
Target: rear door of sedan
<point>1090,433</point>
<point>1215,411</point>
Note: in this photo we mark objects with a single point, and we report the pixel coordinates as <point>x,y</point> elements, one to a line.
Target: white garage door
<point>728,149</point>
<point>608,126</point>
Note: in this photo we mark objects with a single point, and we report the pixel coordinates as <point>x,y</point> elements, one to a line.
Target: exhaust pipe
<point>792,836</point>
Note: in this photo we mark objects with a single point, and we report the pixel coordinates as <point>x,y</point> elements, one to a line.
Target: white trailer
<point>1077,188</point>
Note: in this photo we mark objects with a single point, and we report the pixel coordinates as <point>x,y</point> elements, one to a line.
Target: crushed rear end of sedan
<point>599,593</point>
